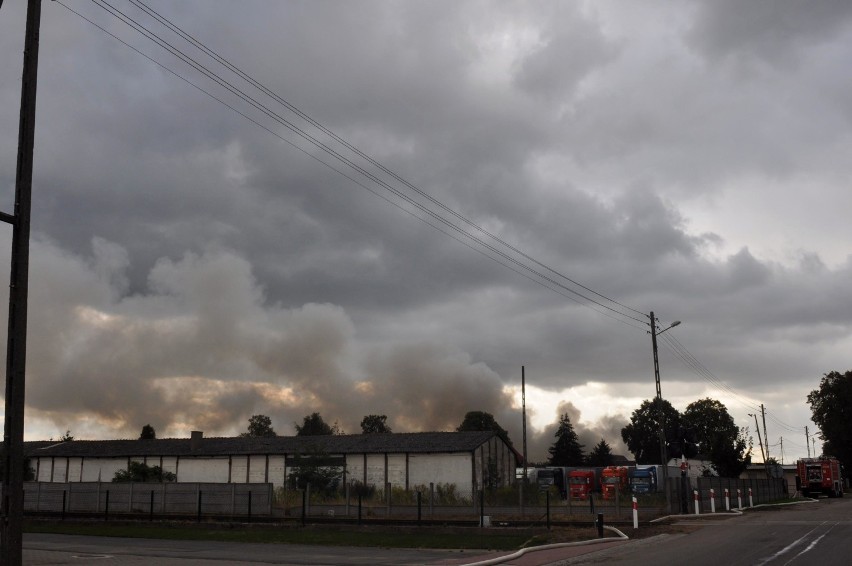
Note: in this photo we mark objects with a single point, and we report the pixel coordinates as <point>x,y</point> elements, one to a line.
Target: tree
<point>67,437</point>
<point>373,424</point>
<point>642,434</point>
<point>316,469</point>
<point>148,433</point>
<point>140,472</point>
<point>480,420</point>
<point>314,425</point>
<point>259,426</point>
<point>566,450</point>
<point>601,454</point>
<point>717,436</point>
<point>830,411</point>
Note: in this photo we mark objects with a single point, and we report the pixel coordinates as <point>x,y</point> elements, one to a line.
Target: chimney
<point>195,440</point>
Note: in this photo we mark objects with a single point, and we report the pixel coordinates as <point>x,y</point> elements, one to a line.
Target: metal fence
<point>202,499</point>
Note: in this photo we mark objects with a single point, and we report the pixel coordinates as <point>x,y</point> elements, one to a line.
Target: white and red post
<point>712,500</point>
<point>739,498</point>
<point>727,499</point>
<point>695,497</point>
<point>635,514</point>
<point>750,498</point>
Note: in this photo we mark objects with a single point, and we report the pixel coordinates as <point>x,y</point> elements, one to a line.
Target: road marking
<point>813,544</point>
<point>789,547</point>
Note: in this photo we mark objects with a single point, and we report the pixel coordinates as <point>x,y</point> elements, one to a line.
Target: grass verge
<point>365,536</point>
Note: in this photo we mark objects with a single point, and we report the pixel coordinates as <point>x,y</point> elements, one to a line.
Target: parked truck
<point>613,478</point>
<point>644,479</point>
<point>553,476</point>
<point>819,475</point>
<point>582,482</point>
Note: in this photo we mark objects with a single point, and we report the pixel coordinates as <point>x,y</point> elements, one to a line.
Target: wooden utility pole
<point>11,543</point>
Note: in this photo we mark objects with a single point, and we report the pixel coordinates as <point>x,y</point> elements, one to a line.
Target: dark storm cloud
<point>673,157</point>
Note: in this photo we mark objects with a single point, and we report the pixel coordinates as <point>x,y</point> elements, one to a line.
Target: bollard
<point>727,499</point>
<point>547,502</point>
<point>599,525</point>
<point>481,507</point>
<point>695,497</point>
<point>712,500</point>
<point>750,498</point>
<point>635,514</point>
<point>305,506</point>
<point>739,498</point>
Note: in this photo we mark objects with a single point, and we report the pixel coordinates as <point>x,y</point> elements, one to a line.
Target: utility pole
<point>807,441</point>
<point>660,414</point>
<point>11,529</point>
<point>524,412</point>
<point>759,441</point>
<point>765,432</point>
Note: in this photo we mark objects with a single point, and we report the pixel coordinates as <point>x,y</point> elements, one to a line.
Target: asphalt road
<point>792,535</point>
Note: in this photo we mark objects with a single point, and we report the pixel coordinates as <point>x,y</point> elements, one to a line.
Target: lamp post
<point>661,416</point>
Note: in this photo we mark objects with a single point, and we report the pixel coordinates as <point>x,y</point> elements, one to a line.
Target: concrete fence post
<point>695,498</point>
<point>739,498</point>
<point>712,500</point>
<point>750,498</point>
<point>727,499</point>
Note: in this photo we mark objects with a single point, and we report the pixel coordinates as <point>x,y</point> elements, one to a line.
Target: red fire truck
<point>819,475</point>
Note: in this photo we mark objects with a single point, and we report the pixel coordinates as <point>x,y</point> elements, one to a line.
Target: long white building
<point>469,460</point>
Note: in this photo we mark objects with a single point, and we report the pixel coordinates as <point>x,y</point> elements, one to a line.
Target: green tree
<point>717,436</point>
<point>148,433</point>
<point>259,426</point>
<point>642,434</point>
<point>374,424</point>
<point>601,454</point>
<point>830,411</point>
<point>140,472</point>
<point>481,420</point>
<point>314,425</point>
<point>67,437</point>
<point>317,469</point>
<point>566,450</point>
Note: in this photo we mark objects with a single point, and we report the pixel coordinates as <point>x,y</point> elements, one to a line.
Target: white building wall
<point>239,469</point>
<point>354,468</point>
<point>44,469</point>
<point>59,470</point>
<point>102,469</point>
<point>169,464</point>
<point>396,470</point>
<point>277,472</point>
<point>203,470</point>
<point>257,469</point>
<point>376,470</point>
<point>424,469</point>
<point>75,469</point>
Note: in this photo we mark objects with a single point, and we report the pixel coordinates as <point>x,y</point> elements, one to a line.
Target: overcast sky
<point>195,262</point>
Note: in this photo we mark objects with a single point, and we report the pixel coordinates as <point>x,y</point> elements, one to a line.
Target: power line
<point>531,272</point>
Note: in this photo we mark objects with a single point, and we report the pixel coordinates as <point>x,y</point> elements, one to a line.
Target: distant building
<point>467,459</point>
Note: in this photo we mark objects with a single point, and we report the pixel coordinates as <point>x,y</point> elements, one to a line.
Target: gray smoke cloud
<point>202,348</point>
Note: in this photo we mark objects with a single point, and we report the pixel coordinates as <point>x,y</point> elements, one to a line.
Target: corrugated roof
<point>390,443</point>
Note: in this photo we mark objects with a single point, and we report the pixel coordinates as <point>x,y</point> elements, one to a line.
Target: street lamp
<point>660,416</point>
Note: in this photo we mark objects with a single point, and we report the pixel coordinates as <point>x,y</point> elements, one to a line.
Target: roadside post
<point>750,498</point>
<point>695,498</point>
<point>739,498</point>
<point>635,514</point>
<point>727,499</point>
<point>712,500</point>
